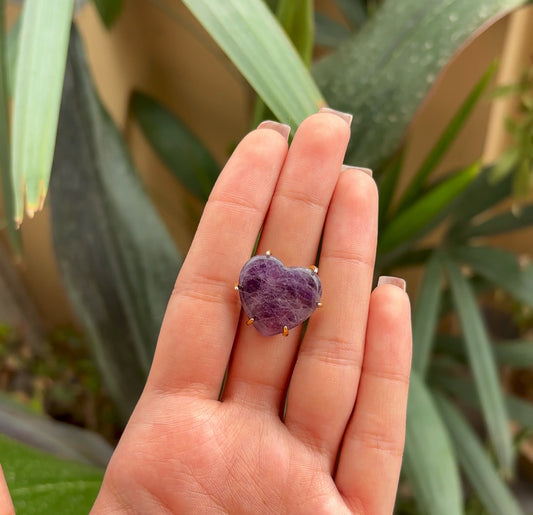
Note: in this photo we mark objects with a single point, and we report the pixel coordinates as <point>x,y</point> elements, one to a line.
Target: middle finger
<point>260,366</point>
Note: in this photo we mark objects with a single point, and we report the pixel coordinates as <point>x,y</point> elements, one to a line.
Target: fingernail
<point>282,128</point>
<point>395,281</point>
<point>368,171</point>
<point>347,117</point>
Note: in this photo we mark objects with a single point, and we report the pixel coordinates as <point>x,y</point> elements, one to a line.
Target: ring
<point>276,298</point>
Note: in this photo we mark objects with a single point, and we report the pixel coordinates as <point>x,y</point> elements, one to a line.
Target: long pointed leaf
<point>40,70</point>
<point>5,165</point>
<point>12,49</point>
<point>254,41</point>
<point>502,223</point>
<point>426,314</point>
<point>41,484</point>
<point>512,353</point>
<point>409,222</point>
<point>297,18</point>
<point>518,354</point>
<point>481,474</point>
<point>185,156</point>
<point>447,137</point>
<point>387,182</point>
<point>501,268</point>
<point>519,409</point>
<point>483,366</point>
<point>429,460</point>
<point>482,194</point>
<point>383,73</point>
<point>116,257</point>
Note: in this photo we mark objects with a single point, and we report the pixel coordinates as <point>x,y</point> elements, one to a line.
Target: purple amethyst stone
<point>276,296</point>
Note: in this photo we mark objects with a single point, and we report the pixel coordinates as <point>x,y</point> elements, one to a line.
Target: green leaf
<point>116,258</point>
<point>42,484</point>
<point>62,440</point>
<point>297,19</point>
<point>429,460</point>
<point>413,219</point>
<point>328,32</point>
<point>482,194</point>
<point>185,156</point>
<point>254,41</point>
<point>517,354</point>
<point>109,10</point>
<point>483,366</point>
<point>387,182</point>
<point>354,11</point>
<point>502,223</point>
<point>39,78</point>
<point>501,268</point>
<point>12,48</point>
<point>448,136</point>
<point>480,471</point>
<point>383,73</point>
<point>520,410</point>
<point>426,314</point>
<point>5,164</point>
<point>512,353</point>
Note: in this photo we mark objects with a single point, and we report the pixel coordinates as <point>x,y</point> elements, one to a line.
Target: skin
<point>338,449</point>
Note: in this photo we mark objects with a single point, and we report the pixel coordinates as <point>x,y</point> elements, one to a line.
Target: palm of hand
<point>210,457</point>
<point>185,451</point>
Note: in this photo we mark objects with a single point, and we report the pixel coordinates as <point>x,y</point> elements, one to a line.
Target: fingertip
<point>389,320</point>
<point>394,281</point>
<point>281,128</point>
<point>323,131</point>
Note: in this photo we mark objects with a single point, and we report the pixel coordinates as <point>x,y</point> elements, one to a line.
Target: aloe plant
<point>382,68</point>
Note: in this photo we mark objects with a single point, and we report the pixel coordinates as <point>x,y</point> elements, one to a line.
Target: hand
<point>338,449</point>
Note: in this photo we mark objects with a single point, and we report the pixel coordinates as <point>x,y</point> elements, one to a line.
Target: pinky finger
<point>371,452</point>
<point>6,505</point>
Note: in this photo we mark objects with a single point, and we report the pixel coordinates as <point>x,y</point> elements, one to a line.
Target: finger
<point>6,505</point>
<point>323,386</point>
<point>260,366</point>
<point>201,318</point>
<point>373,444</point>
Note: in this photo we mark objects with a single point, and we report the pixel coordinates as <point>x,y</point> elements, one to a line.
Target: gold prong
<point>285,331</point>
<point>236,287</point>
<point>313,268</point>
<point>319,305</point>
<point>268,253</point>
<point>250,321</point>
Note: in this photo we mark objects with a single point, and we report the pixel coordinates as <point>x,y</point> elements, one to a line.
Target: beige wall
<point>169,56</point>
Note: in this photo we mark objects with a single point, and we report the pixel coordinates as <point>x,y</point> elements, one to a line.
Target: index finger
<point>201,318</point>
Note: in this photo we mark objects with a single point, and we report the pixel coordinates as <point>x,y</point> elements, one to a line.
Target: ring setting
<point>276,298</point>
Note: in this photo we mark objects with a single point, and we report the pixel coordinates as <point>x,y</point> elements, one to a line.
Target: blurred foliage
<point>60,380</point>
<point>519,155</point>
<point>118,262</point>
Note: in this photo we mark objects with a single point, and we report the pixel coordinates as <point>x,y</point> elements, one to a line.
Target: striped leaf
<point>255,42</point>
<point>429,460</point>
<point>483,366</point>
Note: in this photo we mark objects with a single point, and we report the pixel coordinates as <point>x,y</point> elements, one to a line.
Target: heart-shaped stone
<point>276,296</point>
